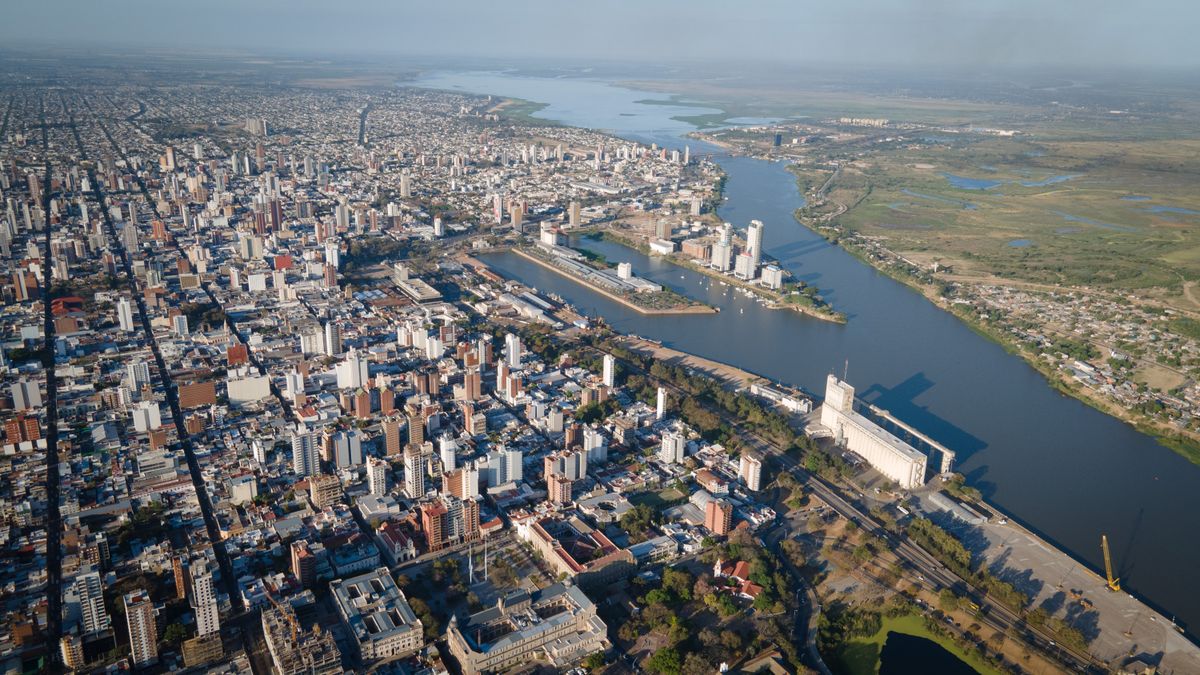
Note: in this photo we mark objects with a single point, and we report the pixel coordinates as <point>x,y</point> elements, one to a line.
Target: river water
<point>1059,467</point>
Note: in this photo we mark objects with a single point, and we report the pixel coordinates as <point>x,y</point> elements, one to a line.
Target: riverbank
<point>775,300</point>
<point>649,311</point>
<point>1186,447</point>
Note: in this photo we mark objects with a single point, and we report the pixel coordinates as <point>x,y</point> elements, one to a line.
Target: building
<point>392,436</point>
<point>718,516</point>
<point>377,473</point>
<point>143,633</point>
<point>125,315</point>
<point>891,456</point>
<point>306,457</point>
<point>204,600</point>
<point>610,370</point>
<point>414,472</point>
<point>772,277</point>
<point>558,489</point>
<point>304,563</point>
<point>243,488</point>
<point>89,588</point>
<point>754,245</point>
<point>673,448</point>
<point>377,616</point>
<point>71,649</point>
<point>295,651</point>
<point>571,547</point>
<point>557,623</point>
<point>27,395</point>
<point>324,491</point>
<point>504,465</point>
<point>750,471</point>
<point>462,482</point>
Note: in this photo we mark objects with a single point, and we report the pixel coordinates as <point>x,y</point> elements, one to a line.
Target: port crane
<point>1114,584</point>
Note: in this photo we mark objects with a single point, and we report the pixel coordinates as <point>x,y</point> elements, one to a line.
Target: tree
<point>174,634</point>
<point>947,600</point>
<point>594,661</point>
<point>665,662</point>
<point>694,664</point>
<point>678,583</point>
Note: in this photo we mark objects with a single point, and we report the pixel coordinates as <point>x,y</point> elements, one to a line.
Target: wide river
<point>1058,466</point>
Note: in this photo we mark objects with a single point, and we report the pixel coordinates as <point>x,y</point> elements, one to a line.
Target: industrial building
<point>885,452</point>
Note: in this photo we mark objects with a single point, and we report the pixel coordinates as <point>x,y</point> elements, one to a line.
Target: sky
<point>962,33</point>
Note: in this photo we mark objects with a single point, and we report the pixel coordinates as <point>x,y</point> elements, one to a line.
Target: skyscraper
<point>754,245</point>
<point>414,472</point>
<point>718,516</point>
<point>125,314</point>
<point>143,634</point>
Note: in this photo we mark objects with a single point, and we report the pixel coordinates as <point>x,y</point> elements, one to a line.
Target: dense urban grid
<point>266,411</point>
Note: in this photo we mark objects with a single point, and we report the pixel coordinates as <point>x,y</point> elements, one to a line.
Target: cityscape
<point>412,363</point>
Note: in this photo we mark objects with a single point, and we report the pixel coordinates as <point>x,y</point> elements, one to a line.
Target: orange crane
<point>288,615</point>
<point>1114,584</point>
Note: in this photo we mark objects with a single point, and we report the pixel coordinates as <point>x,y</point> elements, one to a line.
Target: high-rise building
<point>204,600</point>
<point>125,314</point>
<point>89,588</point>
<point>333,339</point>
<point>353,372</point>
<point>673,448</point>
<point>377,471</point>
<point>71,650</point>
<point>324,491</point>
<point>304,563</point>
<point>718,516</point>
<point>558,489</point>
<point>573,214</point>
<point>414,472</point>
<point>610,370</point>
<point>750,471</point>
<point>306,460</point>
<point>754,245</point>
<point>504,466</point>
<point>512,350</point>
<point>393,440</point>
<point>143,634</point>
<point>660,409</point>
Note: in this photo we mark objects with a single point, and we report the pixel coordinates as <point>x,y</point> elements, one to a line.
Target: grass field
<point>861,656</point>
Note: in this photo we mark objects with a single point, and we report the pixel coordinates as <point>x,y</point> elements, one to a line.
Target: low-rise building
<point>557,623</point>
<point>377,615</point>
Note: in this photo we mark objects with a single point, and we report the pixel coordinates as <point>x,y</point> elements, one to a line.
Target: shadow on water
<point>899,400</point>
<point>795,249</point>
<point>1127,562</point>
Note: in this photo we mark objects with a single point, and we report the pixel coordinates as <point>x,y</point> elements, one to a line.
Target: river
<point>1061,468</point>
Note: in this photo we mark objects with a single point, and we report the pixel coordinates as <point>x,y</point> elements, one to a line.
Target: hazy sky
<point>954,32</point>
